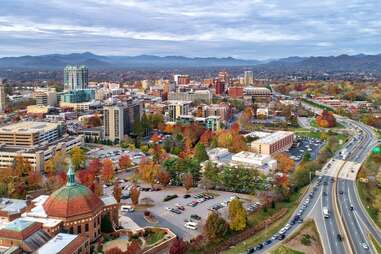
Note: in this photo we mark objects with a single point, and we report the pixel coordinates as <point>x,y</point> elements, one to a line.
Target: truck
<point>325,212</point>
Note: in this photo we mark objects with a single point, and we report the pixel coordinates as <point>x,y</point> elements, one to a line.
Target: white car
<point>191,225</point>
<point>364,245</point>
<point>127,208</point>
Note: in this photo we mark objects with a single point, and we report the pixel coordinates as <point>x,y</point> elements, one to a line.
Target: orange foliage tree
<point>148,171</point>
<point>285,164</point>
<point>125,162</point>
<point>326,119</point>
<point>108,170</point>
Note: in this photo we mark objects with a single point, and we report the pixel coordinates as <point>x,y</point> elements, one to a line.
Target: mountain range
<point>58,61</point>
<point>341,63</point>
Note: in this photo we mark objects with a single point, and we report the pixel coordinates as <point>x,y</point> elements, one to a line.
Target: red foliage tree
<point>178,247</point>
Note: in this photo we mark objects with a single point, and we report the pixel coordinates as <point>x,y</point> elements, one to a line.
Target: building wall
<point>277,146</point>
<point>76,77</point>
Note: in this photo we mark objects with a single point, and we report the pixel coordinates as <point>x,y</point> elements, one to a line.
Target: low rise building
<point>273,143</point>
<point>30,133</point>
<point>193,96</point>
<point>64,243</point>
<point>37,155</point>
<point>249,159</point>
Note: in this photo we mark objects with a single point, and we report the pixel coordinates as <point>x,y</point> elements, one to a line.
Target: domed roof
<point>72,200</point>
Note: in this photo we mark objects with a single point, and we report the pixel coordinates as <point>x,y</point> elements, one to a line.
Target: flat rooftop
<point>28,127</point>
<point>273,137</point>
<point>250,155</point>
<point>18,225</point>
<point>57,243</point>
<point>12,205</point>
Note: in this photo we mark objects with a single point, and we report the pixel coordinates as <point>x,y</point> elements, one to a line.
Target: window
<point>79,229</point>
<point>71,230</point>
<point>87,227</point>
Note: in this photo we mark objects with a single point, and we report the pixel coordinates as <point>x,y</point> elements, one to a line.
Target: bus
<point>325,212</point>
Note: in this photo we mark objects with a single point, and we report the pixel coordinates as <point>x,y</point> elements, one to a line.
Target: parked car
<point>195,217</point>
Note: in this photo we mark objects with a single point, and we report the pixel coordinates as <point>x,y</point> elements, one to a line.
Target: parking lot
<point>114,153</point>
<point>304,145</point>
<point>175,213</point>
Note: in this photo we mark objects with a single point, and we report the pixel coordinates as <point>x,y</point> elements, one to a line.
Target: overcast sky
<point>248,29</point>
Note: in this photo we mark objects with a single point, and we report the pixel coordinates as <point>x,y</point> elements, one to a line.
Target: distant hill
<point>58,61</point>
<point>330,64</point>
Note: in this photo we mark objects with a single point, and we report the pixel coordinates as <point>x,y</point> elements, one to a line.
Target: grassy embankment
<point>370,189</point>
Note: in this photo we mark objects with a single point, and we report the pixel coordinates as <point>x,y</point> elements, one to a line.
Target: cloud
<point>248,29</point>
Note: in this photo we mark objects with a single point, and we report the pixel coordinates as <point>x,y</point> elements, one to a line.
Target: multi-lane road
<point>348,226</point>
<point>349,219</point>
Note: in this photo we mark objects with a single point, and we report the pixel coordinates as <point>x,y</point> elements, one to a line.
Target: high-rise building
<point>76,77</point>
<point>248,78</point>
<point>177,108</point>
<point>223,76</point>
<point>2,97</point>
<point>46,97</point>
<point>119,119</point>
<point>220,87</point>
<point>181,79</point>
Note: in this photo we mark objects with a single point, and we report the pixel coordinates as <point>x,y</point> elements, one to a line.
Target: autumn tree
<point>134,193</point>
<point>125,162</point>
<point>117,192</point>
<point>95,166</point>
<point>237,215</point>
<point>21,166</point>
<point>49,167</point>
<point>78,157</point>
<point>98,187</point>
<point>326,119</point>
<point>108,170</point>
<point>187,181</point>
<point>200,153</point>
<point>164,177</point>
<point>34,178</point>
<point>215,226</point>
<point>285,164</point>
<point>148,171</point>
<point>133,247</point>
<point>206,137</point>
<point>59,161</point>
<point>178,247</point>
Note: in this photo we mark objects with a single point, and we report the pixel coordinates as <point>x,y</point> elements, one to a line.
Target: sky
<point>246,29</point>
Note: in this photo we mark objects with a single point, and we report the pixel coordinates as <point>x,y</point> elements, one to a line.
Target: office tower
<point>76,77</point>
<point>113,121</point>
<point>223,76</point>
<point>220,87</point>
<point>118,119</point>
<point>46,97</point>
<point>248,78</point>
<point>181,79</point>
<point>2,97</point>
<point>177,109</point>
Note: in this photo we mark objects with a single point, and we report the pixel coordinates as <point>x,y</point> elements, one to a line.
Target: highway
<point>355,222</point>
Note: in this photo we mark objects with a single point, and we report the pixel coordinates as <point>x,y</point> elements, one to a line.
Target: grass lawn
<point>261,215</point>
<point>376,244</point>
<point>285,250</point>
<point>154,237</point>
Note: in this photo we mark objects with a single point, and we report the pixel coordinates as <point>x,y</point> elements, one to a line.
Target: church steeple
<point>70,176</point>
